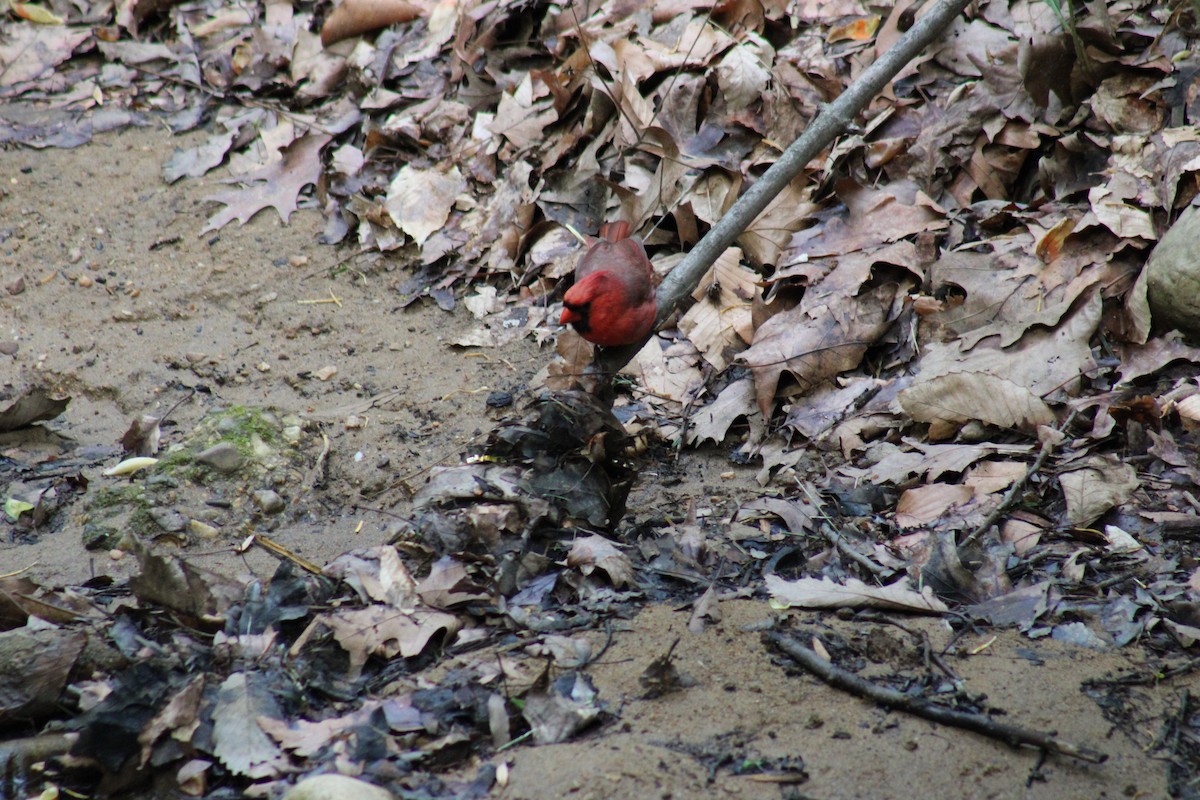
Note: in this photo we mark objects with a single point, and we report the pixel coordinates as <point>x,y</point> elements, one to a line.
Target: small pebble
<point>84,281</point>
<point>336,787</point>
<point>116,554</point>
<point>269,501</point>
<point>499,399</point>
<point>16,287</point>
<point>9,348</point>
<point>168,519</point>
<point>325,373</point>
<point>202,530</point>
<point>223,457</point>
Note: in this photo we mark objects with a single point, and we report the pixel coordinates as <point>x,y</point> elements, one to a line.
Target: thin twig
<point>832,121</point>
<point>835,538</point>
<point>1010,734</point>
<point>1014,491</point>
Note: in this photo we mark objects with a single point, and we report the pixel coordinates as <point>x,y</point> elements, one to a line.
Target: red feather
<point>612,301</point>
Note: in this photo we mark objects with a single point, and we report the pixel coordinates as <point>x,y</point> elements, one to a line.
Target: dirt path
<point>129,312</point>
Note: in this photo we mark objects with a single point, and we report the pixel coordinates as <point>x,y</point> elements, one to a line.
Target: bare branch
<point>833,120</point>
<point>979,723</point>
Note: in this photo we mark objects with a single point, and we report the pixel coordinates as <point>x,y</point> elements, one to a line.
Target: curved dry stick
<point>833,119</point>
<point>979,723</point>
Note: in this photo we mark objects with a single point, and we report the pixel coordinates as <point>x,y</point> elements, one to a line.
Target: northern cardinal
<point>612,301</point>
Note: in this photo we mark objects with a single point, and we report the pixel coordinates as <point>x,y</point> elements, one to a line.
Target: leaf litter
<point>959,284</point>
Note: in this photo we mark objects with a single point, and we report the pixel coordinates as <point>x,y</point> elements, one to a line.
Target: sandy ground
<point>129,311</point>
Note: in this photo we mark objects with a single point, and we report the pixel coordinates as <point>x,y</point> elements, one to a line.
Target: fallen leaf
<point>239,742</point>
<point>824,593</point>
<point>419,200</point>
<point>277,185</point>
<point>1096,485</point>
<point>590,553</point>
<point>354,17</point>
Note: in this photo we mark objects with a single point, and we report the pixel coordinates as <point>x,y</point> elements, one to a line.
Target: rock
<point>203,530</point>
<point>269,501</point>
<point>499,399</point>
<point>168,519</point>
<point>1173,276</point>
<point>100,537</point>
<point>336,787</point>
<point>223,457</point>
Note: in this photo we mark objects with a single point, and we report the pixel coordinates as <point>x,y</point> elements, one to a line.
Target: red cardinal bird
<point>612,301</point>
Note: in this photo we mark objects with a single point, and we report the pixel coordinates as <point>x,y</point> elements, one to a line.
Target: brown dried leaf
<point>34,405</point>
<point>419,200</point>
<point>524,114</point>
<point>142,437</point>
<point>188,588</point>
<point>816,342</point>
<point>1004,386</point>
<point>560,711</point>
<point>355,17</point>
<point>238,740</point>
<point>670,373</point>
<point>1138,361</point>
<point>872,217</point>
<point>591,553</point>
<point>720,323</point>
<point>179,717</point>
<point>926,505</point>
<point>36,664</point>
<point>735,400</point>
<point>376,574</point>
<point>448,584</point>
<point>1096,485</point>
<point>743,74</point>
<point>387,632</point>
<point>706,610</point>
<point>277,185</point>
<point>765,239</point>
<point>959,397</point>
<point>28,52</point>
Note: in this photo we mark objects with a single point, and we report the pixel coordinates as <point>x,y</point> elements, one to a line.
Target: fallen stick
<point>834,119</point>
<point>889,698</point>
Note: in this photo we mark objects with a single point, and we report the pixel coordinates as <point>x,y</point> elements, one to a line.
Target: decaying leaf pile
<point>939,341</point>
<point>948,263</point>
<point>216,687</point>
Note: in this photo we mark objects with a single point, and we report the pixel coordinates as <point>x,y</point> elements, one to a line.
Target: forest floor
<point>129,311</point>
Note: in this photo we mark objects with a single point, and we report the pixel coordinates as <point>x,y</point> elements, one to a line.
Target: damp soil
<point>127,309</point>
